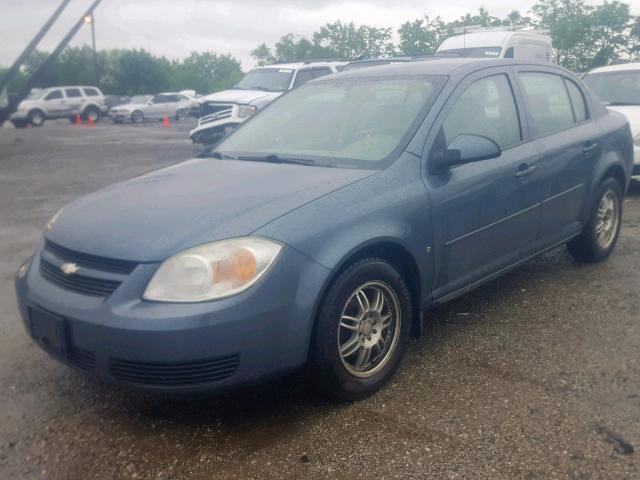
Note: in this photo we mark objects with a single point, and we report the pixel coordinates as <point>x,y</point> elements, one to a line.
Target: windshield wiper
<point>215,154</point>
<point>272,158</point>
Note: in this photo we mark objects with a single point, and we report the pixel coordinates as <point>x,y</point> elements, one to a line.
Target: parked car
<point>156,107</point>
<point>618,86</point>
<point>522,45</point>
<point>318,232</point>
<point>59,102</point>
<point>115,100</point>
<point>221,112</point>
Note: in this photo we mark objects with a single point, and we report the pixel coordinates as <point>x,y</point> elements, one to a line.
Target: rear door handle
<point>525,170</point>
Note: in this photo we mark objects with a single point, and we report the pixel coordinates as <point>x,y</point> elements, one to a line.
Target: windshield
<point>140,98</point>
<point>350,122</point>
<point>616,88</point>
<point>35,94</point>
<point>269,79</point>
<point>473,52</point>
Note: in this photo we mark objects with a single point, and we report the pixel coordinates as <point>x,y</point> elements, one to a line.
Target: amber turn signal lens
<point>238,268</point>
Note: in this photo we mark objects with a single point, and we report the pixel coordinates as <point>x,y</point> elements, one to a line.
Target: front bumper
<point>19,115</point>
<point>182,348</point>
<point>119,116</point>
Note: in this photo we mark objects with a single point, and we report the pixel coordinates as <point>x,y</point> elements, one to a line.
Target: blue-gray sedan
<point>319,232</point>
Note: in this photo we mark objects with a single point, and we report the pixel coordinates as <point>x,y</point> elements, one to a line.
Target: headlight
<point>212,271</point>
<point>24,268</point>
<point>53,221</point>
<point>636,140</point>
<point>246,111</point>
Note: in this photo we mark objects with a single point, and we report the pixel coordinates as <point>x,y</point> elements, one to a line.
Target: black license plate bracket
<point>48,330</point>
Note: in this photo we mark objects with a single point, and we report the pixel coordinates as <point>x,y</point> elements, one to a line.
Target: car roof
<point>435,66</point>
<point>297,65</point>
<point>71,86</point>
<point>616,68</point>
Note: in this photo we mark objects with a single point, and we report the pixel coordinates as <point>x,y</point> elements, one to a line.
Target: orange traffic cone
<point>90,122</point>
<point>78,120</point>
<point>165,122</point>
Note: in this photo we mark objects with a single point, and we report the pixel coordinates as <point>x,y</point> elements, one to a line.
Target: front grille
<point>209,108</point>
<point>175,374</point>
<point>82,359</point>
<point>96,287</point>
<point>90,261</point>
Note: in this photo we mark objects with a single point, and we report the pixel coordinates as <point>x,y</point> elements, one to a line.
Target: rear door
<point>482,219</point>
<point>75,100</point>
<point>569,145</point>
<point>158,108</point>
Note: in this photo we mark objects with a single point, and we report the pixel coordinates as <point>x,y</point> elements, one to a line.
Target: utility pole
<point>92,20</point>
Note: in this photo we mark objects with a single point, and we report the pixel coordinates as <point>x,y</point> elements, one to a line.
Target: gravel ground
<point>534,376</point>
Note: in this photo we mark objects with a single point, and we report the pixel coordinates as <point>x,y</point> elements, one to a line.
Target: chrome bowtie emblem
<point>69,268</point>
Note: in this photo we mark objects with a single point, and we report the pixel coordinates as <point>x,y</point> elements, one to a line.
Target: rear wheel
<point>600,235</point>
<point>92,113</point>
<point>362,330</point>
<point>36,118</point>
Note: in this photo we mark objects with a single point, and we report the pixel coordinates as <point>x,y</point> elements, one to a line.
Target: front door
<point>56,104</point>
<point>482,219</point>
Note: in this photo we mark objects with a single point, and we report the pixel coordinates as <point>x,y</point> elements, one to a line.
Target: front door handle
<point>590,149</point>
<point>525,170</point>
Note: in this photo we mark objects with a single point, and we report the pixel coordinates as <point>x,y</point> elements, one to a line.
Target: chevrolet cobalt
<point>319,232</point>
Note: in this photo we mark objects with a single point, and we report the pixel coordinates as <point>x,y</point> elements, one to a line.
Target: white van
<point>528,46</point>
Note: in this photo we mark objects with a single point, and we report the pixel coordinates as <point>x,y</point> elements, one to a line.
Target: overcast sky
<point>176,27</point>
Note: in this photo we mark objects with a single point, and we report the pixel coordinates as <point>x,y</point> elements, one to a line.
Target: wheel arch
<point>397,255</point>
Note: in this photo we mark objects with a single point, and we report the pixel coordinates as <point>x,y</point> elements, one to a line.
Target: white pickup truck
<point>221,112</point>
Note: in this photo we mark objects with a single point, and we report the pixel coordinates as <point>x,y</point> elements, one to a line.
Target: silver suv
<point>60,102</point>
<point>221,112</point>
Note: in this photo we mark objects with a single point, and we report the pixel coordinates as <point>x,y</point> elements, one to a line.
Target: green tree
<point>206,72</point>
<point>609,33</point>
<point>423,36</point>
<point>348,42</point>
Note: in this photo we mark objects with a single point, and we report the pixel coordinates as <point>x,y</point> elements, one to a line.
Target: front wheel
<point>361,331</point>
<point>181,115</point>
<point>137,117</point>
<point>36,118</point>
<point>600,235</point>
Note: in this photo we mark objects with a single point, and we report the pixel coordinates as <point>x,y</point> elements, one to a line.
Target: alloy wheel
<point>369,329</point>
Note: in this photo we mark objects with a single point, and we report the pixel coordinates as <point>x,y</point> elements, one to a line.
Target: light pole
<point>91,20</point>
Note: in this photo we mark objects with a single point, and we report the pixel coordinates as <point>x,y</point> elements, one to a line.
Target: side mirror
<point>466,149</point>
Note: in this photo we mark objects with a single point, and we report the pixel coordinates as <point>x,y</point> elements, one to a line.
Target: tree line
<point>584,37</point>
<point>135,71</point>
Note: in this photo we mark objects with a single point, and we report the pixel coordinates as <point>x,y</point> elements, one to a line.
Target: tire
<point>343,323</point>
<point>92,112</point>
<point>181,115</point>
<point>137,117</point>
<point>600,235</point>
<point>36,118</point>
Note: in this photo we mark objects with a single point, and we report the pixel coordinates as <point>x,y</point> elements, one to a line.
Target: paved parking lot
<point>535,376</point>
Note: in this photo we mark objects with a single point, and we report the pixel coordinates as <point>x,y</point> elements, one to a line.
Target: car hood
<point>151,217</point>
<point>130,106</point>
<point>245,97</point>
<point>632,112</point>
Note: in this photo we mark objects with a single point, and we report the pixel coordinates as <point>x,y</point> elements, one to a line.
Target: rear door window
<point>73,92</point>
<point>91,92</point>
<point>486,108</point>
<point>548,101</point>
<point>577,100</point>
